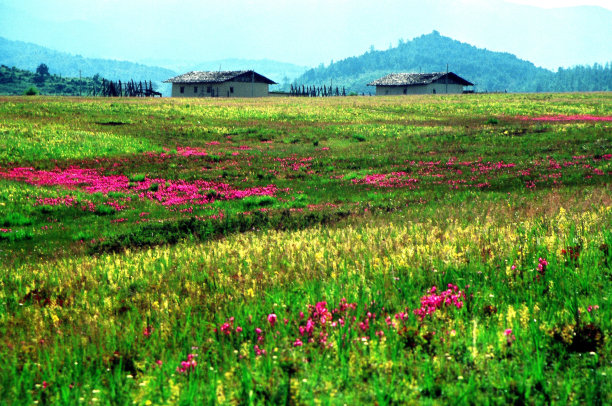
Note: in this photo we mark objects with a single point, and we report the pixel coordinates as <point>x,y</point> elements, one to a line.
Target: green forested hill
<point>28,56</point>
<point>490,71</point>
<point>14,81</point>
<point>581,79</point>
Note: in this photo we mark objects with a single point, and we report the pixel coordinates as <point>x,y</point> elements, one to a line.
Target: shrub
<point>18,235</point>
<point>137,177</point>
<point>115,195</point>
<point>15,219</point>
<point>359,137</point>
<point>83,236</point>
<point>32,91</point>
<point>251,202</point>
<point>105,210</point>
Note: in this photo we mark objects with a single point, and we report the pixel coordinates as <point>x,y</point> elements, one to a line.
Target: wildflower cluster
<point>479,173</point>
<point>188,365</point>
<point>433,301</point>
<point>227,328</point>
<point>510,337</point>
<point>321,322</point>
<point>164,191</point>
<point>572,253</point>
<point>542,264</point>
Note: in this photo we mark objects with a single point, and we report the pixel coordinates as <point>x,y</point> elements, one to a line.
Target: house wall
<point>440,88</point>
<point>241,89</point>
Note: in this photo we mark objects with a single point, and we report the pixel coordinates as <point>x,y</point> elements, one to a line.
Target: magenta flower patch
<point>166,192</point>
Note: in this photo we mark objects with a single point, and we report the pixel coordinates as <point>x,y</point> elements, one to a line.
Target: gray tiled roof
<point>412,79</point>
<point>217,77</point>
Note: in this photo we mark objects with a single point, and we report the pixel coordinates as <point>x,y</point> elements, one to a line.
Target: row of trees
<point>314,91</point>
<point>14,81</point>
<point>18,81</point>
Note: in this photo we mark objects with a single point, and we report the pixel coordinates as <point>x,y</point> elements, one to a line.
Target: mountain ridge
<point>26,55</point>
<point>491,71</point>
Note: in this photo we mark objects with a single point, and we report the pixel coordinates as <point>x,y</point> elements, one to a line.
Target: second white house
<point>420,83</point>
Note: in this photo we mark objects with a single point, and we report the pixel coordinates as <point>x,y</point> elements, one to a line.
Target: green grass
<point>203,229</point>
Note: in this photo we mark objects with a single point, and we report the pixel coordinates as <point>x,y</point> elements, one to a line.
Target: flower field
<point>357,250</point>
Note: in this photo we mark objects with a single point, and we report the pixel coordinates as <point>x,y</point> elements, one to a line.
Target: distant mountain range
<point>28,56</point>
<point>490,71</point>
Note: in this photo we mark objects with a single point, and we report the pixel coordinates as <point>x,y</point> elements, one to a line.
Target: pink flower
<point>542,264</point>
<point>591,308</point>
<point>258,351</point>
<point>298,343</point>
<point>258,331</point>
<point>432,302</point>
<point>310,326</point>
<point>238,329</point>
<point>510,338</point>
<point>188,365</point>
<point>272,319</point>
<point>226,328</point>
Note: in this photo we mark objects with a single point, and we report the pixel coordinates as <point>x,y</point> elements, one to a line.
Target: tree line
<point>316,91</point>
<point>14,81</point>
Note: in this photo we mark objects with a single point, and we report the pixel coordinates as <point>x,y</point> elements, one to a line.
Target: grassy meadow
<point>355,250</point>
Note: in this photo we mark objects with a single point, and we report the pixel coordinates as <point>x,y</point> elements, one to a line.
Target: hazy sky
<point>305,32</point>
<point>564,3</point>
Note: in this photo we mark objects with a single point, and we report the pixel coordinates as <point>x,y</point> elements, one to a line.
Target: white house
<point>420,83</point>
<point>241,83</point>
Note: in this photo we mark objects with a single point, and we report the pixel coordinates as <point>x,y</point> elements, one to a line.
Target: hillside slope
<point>490,71</point>
<point>28,56</point>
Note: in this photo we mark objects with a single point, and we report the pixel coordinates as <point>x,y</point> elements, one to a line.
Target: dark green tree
<point>42,70</point>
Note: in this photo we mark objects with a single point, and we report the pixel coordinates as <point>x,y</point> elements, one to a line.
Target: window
<point>434,91</point>
<point>405,90</point>
<point>209,89</point>
<point>231,90</point>
<point>182,89</point>
<point>195,89</point>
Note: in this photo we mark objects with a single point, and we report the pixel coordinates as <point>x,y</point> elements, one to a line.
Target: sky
<point>565,3</point>
<point>304,32</point>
